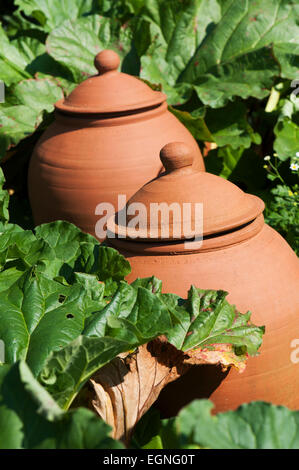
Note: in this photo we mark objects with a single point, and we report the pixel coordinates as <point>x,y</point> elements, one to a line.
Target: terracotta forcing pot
<point>239,254</point>
<point>105,141</point>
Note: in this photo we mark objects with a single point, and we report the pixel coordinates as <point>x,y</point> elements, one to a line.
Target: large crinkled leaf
<point>59,249</point>
<point>78,251</point>
<point>288,57</point>
<point>26,57</point>
<point>17,123</point>
<point>195,123</point>
<point>75,43</point>
<point>12,61</point>
<point>136,316</point>
<point>287,138</point>
<point>46,316</point>
<point>255,425</point>
<point>28,47</point>
<point>206,330</point>
<point>16,22</point>
<point>237,58</point>
<point>121,304</point>
<point>30,418</point>
<point>11,434</point>
<point>230,158</point>
<point>224,126</point>
<point>212,320</point>
<point>15,244</point>
<point>233,55</point>
<point>289,107</point>
<point>119,330</point>
<point>51,13</point>
<point>167,36</point>
<point>36,94</point>
<point>105,262</point>
<point>22,114</point>
<point>229,126</point>
<point>67,243</point>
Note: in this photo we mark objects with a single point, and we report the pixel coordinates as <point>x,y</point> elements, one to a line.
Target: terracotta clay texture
<point>250,261</point>
<point>105,141</point>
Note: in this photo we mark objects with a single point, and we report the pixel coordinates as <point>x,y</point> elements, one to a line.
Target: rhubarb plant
<point>77,334</point>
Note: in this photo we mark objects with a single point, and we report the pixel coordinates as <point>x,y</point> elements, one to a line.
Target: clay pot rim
<point>110,119</point>
<point>118,110</point>
<point>209,243</point>
<point>144,234</point>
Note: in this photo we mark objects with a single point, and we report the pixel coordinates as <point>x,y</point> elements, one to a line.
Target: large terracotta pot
<point>105,141</point>
<point>239,254</point>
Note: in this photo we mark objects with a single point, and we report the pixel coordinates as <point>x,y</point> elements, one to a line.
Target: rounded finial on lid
<point>176,155</point>
<point>106,61</point>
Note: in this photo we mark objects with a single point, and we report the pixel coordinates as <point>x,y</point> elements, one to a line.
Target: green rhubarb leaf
<point>121,304</point>
<point>229,126</point>
<point>59,250</point>
<point>105,262</point>
<point>230,158</point>
<point>205,327</point>
<point>51,13</point>
<point>287,138</point>
<point>67,244</point>
<point>289,107</point>
<point>12,61</point>
<point>288,56</point>
<point>11,434</point>
<point>46,316</point>
<point>30,418</point>
<point>152,283</point>
<point>256,425</point>
<point>133,317</point>
<point>195,123</point>
<point>75,43</point>
<point>167,36</point>
<point>17,122</point>
<point>36,94</point>
<point>212,320</point>
<point>16,24</point>
<point>26,57</point>
<point>22,114</point>
<point>227,52</point>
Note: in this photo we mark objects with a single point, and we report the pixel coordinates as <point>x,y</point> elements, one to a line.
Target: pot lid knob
<point>176,155</point>
<point>106,61</point>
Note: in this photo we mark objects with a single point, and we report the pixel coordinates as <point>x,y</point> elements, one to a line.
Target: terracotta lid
<point>110,91</point>
<point>224,205</point>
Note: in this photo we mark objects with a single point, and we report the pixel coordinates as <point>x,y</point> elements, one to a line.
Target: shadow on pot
<point>199,382</point>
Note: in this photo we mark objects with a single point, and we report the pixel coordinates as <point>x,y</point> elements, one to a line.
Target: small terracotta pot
<point>239,254</point>
<point>105,141</point>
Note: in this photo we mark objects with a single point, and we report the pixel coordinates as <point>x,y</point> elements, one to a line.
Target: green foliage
<point>282,213</point>
<point>256,425</point>
<point>30,418</point>
<point>202,53</point>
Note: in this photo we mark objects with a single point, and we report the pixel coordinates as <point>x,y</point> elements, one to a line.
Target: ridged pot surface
<point>80,162</point>
<point>261,274</point>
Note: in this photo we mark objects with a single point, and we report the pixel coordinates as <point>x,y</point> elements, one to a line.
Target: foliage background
<point>227,68</point>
